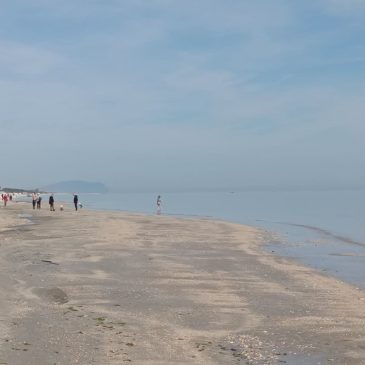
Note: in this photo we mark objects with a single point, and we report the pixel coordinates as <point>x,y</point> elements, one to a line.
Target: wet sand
<point>113,288</point>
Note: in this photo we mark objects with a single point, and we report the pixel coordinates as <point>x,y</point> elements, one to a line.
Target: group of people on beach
<point>37,200</point>
<point>5,198</point>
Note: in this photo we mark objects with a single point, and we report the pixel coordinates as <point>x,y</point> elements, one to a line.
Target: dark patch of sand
<point>55,295</point>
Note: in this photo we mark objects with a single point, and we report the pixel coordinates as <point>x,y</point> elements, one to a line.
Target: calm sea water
<point>321,229</point>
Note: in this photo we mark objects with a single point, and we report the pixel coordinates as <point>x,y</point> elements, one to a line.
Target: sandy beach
<point>94,287</point>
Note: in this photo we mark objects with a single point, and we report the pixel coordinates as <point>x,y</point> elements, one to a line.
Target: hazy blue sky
<point>181,94</point>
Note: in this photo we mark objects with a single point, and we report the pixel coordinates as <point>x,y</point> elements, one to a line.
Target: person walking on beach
<point>51,203</point>
<point>39,201</point>
<point>159,203</point>
<point>34,200</point>
<point>5,199</point>
<point>76,201</point>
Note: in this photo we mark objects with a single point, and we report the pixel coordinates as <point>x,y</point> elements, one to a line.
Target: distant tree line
<point>15,190</point>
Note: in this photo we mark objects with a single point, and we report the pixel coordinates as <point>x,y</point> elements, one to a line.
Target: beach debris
<point>201,346</point>
<point>100,321</point>
<point>251,350</point>
<point>108,326</point>
<point>50,262</point>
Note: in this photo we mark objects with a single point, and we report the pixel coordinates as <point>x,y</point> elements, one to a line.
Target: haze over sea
<point>323,229</point>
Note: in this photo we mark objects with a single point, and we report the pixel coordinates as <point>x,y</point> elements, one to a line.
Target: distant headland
<point>19,191</point>
<point>74,186</point>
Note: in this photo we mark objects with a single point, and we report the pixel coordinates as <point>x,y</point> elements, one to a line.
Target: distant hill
<point>76,187</point>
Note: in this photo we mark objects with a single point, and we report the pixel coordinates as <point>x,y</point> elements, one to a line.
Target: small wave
<point>322,231</point>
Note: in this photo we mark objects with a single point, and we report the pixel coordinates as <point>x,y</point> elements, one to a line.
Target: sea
<point>322,229</point>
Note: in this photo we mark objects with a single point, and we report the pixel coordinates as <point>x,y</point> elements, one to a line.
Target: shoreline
<point>320,247</point>
<point>347,267</point>
<point>348,264</point>
<point>106,287</point>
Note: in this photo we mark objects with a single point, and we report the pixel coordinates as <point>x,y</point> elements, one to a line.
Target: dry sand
<point>112,288</point>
